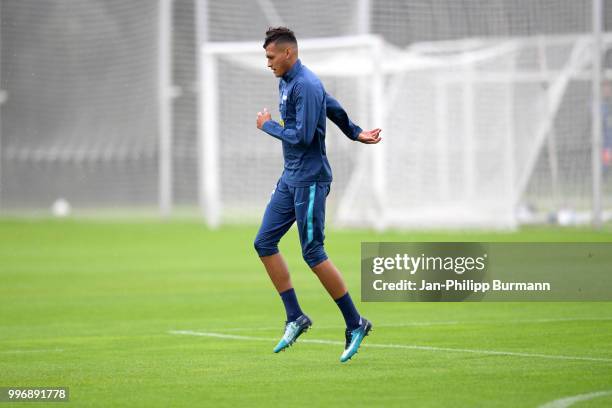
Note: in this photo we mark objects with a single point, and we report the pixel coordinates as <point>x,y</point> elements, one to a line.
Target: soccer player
<point>301,191</point>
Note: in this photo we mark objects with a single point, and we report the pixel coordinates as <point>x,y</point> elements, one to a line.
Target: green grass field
<point>95,306</point>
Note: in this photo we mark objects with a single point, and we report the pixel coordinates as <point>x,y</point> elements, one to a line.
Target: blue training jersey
<point>303,107</point>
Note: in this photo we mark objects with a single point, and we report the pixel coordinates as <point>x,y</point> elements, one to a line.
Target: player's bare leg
<point>277,271</point>
<point>330,278</point>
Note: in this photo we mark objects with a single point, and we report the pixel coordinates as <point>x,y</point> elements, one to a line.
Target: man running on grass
<point>301,191</point>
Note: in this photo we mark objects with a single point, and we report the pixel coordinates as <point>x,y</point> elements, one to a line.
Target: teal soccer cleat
<point>354,339</point>
<point>293,330</point>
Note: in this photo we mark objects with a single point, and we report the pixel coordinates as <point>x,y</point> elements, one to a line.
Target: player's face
<point>278,59</point>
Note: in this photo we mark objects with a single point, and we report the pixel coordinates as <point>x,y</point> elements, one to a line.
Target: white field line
<point>397,346</point>
<point>439,323</point>
<point>409,324</point>
<point>562,319</point>
<point>31,351</point>
<point>569,401</point>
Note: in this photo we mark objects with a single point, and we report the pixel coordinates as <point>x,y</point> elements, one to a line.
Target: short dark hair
<point>279,35</point>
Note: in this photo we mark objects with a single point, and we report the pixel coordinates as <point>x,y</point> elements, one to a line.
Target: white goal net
<point>464,121</point>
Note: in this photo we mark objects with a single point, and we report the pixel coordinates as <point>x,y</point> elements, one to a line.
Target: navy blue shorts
<point>306,205</point>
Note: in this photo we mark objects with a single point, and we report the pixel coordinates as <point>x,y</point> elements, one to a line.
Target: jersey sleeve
<point>336,113</point>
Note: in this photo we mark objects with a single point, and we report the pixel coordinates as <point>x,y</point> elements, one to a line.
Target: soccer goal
<point>465,125</point>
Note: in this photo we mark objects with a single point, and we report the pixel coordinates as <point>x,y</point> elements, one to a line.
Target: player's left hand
<point>370,136</point>
<point>263,117</point>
